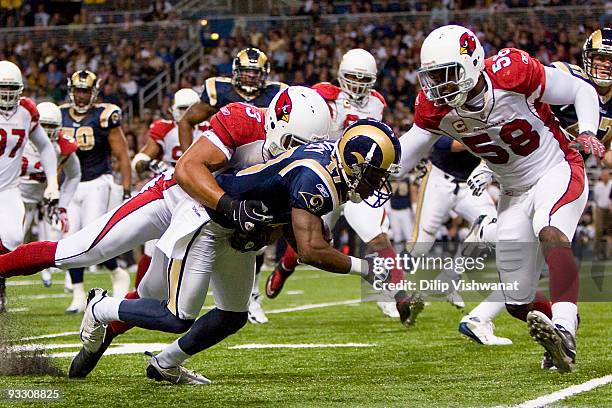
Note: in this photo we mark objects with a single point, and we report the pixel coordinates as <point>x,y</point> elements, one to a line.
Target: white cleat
<point>174,375</point>
<point>46,277</point>
<point>481,332</point>
<point>256,313</point>
<point>92,331</point>
<point>121,282</point>
<point>79,300</point>
<point>389,309</point>
<point>455,299</point>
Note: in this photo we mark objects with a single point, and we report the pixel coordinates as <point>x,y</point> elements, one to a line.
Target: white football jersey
<point>165,134</point>
<point>345,111</point>
<point>14,133</point>
<point>515,133</point>
<point>33,178</point>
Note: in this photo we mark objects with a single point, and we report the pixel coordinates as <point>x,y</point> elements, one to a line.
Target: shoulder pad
<point>379,96</point>
<point>327,90</point>
<point>160,128</point>
<point>110,116</point>
<point>426,115</point>
<point>30,106</point>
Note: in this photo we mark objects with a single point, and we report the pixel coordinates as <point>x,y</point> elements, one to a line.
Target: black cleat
<point>558,342</point>
<point>409,308</point>
<point>85,361</point>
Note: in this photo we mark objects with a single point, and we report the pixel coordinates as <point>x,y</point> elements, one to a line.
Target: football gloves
<point>158,166</point>
<point>479,179</point>
<point>588,143</point>
<point>57,217</point>
<point>246,215</point>
<point>51,194</point>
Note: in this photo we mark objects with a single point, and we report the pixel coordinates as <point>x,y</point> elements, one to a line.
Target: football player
<point>297,187</point>
<point>498,108</point>
<point>354,99</point>
<point>249,83</point>
<point>97,131</point>
<point>33,180</point>
<point>19,122</point>
<point>161,150</point>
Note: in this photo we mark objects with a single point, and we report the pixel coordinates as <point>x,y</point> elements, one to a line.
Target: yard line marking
<point>313,306</point>
<point>50,296</point>
<point>50,336</point>
<point>295,292</point>
<point>566,392</point>
<point>18,309</point>
<point>126,348</point>
<point>24,282</point>
<point>298,346</point>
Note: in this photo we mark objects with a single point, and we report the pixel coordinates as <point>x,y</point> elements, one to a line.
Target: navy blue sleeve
<point>444,143</point>
<point>309,192</point>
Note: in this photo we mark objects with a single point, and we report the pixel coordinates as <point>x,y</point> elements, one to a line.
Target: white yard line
<point>313,306</point>
<point>24,282</point>
<point>50,336</point>
<point>566,392</point>
<point>298,346</point>
<point>49,296</point>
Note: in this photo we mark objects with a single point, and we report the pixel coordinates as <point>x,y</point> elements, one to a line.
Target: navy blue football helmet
<point>598,46</point>
<point>368,153</point>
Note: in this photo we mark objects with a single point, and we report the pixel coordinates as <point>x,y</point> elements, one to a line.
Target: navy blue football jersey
<point>457,164</point>
<point>91,134</point>
<point>567,114</point>
<point>219,91</point>
<point>305,177</point>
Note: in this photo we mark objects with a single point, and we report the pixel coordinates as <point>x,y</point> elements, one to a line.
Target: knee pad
<point>519,311</point>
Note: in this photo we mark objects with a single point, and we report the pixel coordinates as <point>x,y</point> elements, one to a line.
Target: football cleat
<point>85,361</point>
<point>389,309</point>
<point>547,363</point>
<point>455,299</point>
<point>256,313</point>
<point>558,342</point>
<point>47,279</point>
<point>3,301</point>
<point>174,375</point>
<point>120,279</point>
<point>92,331</point>
<point>276,280</point>
<point>409,309</point>
<point>481,332</point>
<point>474,241</point>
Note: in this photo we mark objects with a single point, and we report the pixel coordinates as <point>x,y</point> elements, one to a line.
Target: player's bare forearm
<point>119,149</point>
<point>150,149</point>
<point>311,245</point>
<point>194,169</point>
<point>197,113</point>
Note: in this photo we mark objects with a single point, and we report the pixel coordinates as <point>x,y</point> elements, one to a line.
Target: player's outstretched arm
<point>416,144</point>
<point>119,149</point>
<point>197,113</point>
<point>194,172</point>
<point>72,170</point>
<point>48,159</point>
<point>146,157</point>
<point>314,250</point>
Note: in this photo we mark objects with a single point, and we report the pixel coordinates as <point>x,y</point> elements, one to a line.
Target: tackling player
<point>249,83</point>
<point>297,187</point>
<point>354,99</point>
<point>498,108</point>
<point>18,124</point>
<point>34,181</point>
<point>97,131</point>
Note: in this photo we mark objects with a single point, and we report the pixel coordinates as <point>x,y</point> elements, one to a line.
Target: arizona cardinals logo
<point>467,44</point>
<point>283,106</point>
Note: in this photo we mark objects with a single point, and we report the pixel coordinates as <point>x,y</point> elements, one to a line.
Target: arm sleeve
<point>48,157</point>
<point>416,144</point>
<point>569,90</point>
<point>72,170</point>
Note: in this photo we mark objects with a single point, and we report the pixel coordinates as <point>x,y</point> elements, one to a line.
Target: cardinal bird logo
<point>283,106</point>
<point>467,44</point>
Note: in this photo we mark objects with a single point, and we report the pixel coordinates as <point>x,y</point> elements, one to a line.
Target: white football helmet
<point>451,62</point>
<point>296,116</point>
<point>357,73</point>
<point>183,99</point>
<point>50,118</point>
<point>11,86</point>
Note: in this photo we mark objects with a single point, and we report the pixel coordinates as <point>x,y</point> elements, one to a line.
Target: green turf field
<point>430,365</point>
